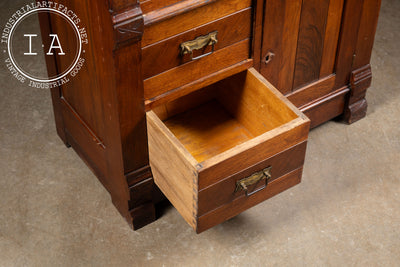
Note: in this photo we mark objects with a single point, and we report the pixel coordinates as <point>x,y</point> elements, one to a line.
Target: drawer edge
<point>261,147</point>
<point>237,206</point>
<point>223,192</point>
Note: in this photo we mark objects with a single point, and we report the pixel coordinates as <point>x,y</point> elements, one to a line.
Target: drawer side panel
<point>173,173</point>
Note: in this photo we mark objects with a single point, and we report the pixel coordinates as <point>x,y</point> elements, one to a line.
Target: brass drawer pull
<point>199,43</point>
<point>254,179</point>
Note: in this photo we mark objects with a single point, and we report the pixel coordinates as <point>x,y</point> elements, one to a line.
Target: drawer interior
<point>206,141</point>
<point>221,116</point>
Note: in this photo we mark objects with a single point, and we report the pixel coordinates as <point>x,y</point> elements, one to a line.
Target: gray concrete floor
<point>346,212</point>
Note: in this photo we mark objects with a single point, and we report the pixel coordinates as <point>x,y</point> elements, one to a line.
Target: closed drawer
<point>153,5</point>
<point>213,46</point>
<point>223,149</point>
<point>184,15</point>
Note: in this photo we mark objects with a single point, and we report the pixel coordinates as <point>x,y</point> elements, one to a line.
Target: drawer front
<point>152,5</point>
<point>174,25</point>
<point>230,210</point>
<point>209,151</point>
<point>165,67</point>
<point>196,69</point>
<point>166,54</point>
<point>226,190</point>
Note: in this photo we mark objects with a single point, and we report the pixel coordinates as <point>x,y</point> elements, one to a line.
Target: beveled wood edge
<point>153,118</point>
<point>128,25</point>
<point>286,149</point>
<point>178,8</point>
<point>316,89</point>
<point>252,143</point>
<point>311,105</point>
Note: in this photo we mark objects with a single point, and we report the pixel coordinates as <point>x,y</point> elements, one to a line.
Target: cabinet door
<point>300,40</point>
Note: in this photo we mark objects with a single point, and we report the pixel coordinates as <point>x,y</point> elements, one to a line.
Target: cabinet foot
<point>141,203</point>
<point>355,111</point>
<point>356,107</point>
<point>144,197</point>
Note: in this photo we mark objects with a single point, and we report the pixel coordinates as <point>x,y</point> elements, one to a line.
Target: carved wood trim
<point>128,26</point>
<point>138,175</point>
<point>356,107</point>
<point>141,205</point>
<point>360,80</point>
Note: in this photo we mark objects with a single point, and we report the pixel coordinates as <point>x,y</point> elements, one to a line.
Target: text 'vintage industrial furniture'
<point>179,96</point>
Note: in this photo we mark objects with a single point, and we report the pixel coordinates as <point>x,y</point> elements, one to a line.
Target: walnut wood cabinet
<point>146,89</point>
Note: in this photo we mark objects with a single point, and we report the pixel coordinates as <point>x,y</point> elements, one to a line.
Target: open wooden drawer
<point>225,148</point>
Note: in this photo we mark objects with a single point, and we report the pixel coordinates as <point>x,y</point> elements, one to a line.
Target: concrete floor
<point>346,212</point>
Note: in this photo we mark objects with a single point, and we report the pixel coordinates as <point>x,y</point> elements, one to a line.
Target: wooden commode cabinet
<point>209,102</point>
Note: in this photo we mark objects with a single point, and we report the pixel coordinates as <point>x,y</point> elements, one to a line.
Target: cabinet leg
<point>144,195</point>
<point>356,107</point>
<point>355,111</point>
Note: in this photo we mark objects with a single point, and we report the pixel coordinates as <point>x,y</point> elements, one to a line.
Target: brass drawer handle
<point>199,43</point>
<point>254,179</point>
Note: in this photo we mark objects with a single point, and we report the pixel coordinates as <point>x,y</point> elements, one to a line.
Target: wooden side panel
<point>280,33</point>
<point>331,37</point>
<point>46,29</point>
<point>78,92</point>
<point>103,111</point>
<point>173,169</point>
<point>251,102</point>
<point>311,41</point>
<point>366,34</point>
<point>348,40</point>
<point>354,54</point>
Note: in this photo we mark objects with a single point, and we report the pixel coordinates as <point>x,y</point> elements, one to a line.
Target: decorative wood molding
<point>360,80</point>
<point>141,205</point>
<point>356,107</point>
<point>128,26</point>
<point>138,175</point>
